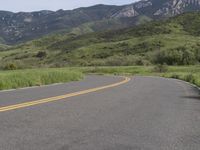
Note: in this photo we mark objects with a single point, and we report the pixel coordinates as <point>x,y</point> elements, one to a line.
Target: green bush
<point>177,56</point>
<point>115,61</point>
<point>10,66</point>
<point>41,54</point>
<point>161,68</point>
<point>175,76</point>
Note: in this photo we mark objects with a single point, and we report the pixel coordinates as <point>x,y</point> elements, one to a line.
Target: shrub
<point>10,66</point>
<point>175,76</point>
<point>142,62</point>
<point>177,56</point>
<point>41,54</point>
<point>115,61</point>
<point>161,68</point>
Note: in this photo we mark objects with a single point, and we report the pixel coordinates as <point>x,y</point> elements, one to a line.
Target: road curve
<point>146,113</point>
<point>61,97</point>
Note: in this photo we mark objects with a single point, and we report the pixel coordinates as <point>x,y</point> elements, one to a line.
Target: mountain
<point>25,26</point>
<point>22,26</point>
<point>175,7</point>
<point>173,41</point>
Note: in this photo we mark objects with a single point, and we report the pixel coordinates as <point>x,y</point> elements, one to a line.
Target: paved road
<point>147,113</point>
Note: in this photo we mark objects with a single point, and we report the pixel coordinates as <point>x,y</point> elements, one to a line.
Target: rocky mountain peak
<point>175,7</point>
<point>128,11</point>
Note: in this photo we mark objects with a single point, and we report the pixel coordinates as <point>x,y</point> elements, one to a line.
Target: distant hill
<point>174,41</point>
<point>24,26</point>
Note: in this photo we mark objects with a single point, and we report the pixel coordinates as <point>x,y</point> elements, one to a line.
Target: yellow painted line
<point>56,98</point>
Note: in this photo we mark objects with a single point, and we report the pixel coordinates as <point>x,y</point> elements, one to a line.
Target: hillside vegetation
<point>175,41</point>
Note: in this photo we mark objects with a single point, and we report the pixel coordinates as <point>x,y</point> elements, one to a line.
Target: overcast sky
<point>34,5</point>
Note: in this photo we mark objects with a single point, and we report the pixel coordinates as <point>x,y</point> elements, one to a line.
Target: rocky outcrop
<point>175,7</point>
<point>142,4</point>
<point>128,11</point>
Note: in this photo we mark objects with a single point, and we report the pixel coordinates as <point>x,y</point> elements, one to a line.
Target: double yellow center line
<point>56,98</point>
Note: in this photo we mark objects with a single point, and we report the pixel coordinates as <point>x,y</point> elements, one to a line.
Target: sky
<point>35,5</point>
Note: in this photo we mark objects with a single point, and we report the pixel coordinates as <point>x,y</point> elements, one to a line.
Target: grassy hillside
<point>175,41</point>
<point>4,47</point>
<point>109,24</point>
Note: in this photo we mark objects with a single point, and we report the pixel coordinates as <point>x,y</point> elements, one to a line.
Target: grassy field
<point>36,77</point>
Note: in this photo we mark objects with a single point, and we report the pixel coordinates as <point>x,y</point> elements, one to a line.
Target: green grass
<point>36,77</point>
<point>187,73</point>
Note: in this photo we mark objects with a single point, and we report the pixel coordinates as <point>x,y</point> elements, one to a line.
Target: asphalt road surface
<point>146,113</point>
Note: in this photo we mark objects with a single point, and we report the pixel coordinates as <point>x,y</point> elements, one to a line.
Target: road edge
<point>188,83</point>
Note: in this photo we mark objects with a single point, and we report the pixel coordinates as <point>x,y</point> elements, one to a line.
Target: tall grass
<point>193,78</point>
<point>187,73</point>
<point>125,70</point>
<point>36,77</point>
